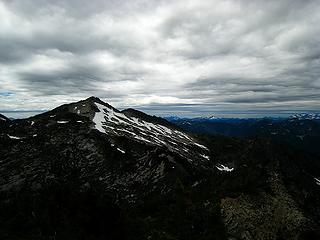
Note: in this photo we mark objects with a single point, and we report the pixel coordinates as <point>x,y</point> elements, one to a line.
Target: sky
<point>182,57</point>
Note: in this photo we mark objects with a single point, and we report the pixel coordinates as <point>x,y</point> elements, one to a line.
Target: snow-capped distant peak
<point>306,116</point>
<point>207,118</point>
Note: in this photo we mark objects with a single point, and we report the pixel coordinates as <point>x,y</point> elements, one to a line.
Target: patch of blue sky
<point>5,93</point>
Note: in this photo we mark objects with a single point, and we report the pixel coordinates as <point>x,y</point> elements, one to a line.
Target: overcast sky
<point>164,57</point>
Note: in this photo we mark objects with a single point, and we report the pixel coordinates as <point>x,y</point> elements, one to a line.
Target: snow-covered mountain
<point>306,116</point>
<point>128,134</point>
<point>139,127</point>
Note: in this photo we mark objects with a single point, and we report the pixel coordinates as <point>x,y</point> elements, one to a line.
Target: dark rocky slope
<point>3,119</point>
<point>88,171</point>
<point>273,192</point>
<point>62,178</point>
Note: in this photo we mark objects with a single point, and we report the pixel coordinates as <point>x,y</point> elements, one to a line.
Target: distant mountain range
<point>86,170</point>
<point>300,116</point>
<point>301,130</point>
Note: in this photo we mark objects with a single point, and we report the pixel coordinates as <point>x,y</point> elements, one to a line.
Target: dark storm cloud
<point>188,57</point>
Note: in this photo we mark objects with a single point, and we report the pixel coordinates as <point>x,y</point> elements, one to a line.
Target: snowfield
<point>110,121</point>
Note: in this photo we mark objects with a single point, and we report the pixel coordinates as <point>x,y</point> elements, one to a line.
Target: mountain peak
<point>93,99</point>
<point>130,124</point>
<point>306,116</point>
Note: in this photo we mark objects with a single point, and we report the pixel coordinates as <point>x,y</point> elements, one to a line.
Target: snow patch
<point>205,156</point>
<point>223,168</point>
<point>199,145</point>
<point>317,181</point>
<point>14,137</point>
<point>62,122</point>
<point>99,118</point>
<point>120,150</point>
<point>196,183</point>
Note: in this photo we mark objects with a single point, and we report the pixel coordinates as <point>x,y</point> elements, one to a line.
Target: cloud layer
<point>164,57</point>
